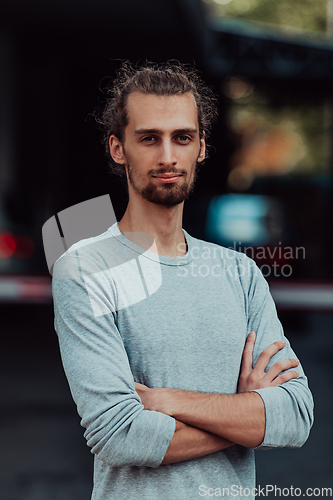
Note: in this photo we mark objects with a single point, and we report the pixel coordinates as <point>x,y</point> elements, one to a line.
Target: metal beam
<point>239,49</point>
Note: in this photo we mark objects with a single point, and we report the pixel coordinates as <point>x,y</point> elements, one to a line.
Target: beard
<point>168,195</point>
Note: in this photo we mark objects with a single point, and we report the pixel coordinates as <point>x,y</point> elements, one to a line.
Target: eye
<point>149,138</point>
<point>184,138</point>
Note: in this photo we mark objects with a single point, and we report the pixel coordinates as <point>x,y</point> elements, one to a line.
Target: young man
<point>158,341</point>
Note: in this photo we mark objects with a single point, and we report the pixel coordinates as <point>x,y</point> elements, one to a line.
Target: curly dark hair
<point>169,78</point>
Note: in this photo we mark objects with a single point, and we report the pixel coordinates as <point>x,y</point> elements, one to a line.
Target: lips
<point>167,177</point>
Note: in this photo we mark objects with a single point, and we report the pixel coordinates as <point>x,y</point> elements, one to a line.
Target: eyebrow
<point>142,131</point>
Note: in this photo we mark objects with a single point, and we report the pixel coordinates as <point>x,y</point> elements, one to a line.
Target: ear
<point>116,150</point>
<point>202,153</point>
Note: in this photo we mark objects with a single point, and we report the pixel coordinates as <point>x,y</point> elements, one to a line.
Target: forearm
<point>239,418</point>
<point>189,442</point>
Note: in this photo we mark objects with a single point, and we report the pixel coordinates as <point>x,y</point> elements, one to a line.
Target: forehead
<point>163,112</point>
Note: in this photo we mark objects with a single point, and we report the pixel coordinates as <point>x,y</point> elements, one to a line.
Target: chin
<point>168,196</point>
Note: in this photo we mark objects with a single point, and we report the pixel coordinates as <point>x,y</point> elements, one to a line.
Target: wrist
<point>165,400</point>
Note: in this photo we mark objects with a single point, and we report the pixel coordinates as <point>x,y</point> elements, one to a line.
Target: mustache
<point>161,171</point>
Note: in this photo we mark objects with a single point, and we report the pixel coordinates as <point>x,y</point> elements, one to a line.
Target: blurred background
<point>267,190</point>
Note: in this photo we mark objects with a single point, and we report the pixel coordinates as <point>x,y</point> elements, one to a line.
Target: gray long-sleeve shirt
<point>124,314</point>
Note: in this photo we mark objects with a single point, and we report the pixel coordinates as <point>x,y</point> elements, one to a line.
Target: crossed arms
<point>206,423</point>
<point>121,431</point>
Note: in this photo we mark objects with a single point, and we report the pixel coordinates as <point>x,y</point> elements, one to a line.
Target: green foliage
<point>300,14</point>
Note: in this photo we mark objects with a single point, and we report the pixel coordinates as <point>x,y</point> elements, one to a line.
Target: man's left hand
<point>256,377</point>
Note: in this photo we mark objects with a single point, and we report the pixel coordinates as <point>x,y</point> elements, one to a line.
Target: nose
<point>167,154</point>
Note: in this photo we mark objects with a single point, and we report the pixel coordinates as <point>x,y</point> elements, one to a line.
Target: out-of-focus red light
<point>7,245</point>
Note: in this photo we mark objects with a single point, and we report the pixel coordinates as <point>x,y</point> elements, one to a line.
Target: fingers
<point>247,358</point>
<point>285,377</point>
<point>279,367</point>
<point>267,354</point>
<point>139,387</point>
<point>257,377</point>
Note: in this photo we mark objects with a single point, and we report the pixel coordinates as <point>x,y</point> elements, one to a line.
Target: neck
<point>161,222</point>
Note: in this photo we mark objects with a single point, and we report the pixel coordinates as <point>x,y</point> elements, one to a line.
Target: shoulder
<point>88,256</point>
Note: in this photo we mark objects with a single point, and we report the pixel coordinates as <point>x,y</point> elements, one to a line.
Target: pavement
<point>45,457</point>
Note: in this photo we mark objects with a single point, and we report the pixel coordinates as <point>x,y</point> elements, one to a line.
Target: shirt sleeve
<point>289,406</point>
<point>118,429</point>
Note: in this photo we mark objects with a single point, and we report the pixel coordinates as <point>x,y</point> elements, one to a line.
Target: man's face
<point>161,147</point>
